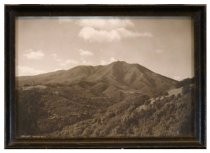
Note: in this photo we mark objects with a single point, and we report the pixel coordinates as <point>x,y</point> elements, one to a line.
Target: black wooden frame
<point>198,15</point>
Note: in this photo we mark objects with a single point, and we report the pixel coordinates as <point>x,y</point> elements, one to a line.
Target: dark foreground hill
<point>118,99</point>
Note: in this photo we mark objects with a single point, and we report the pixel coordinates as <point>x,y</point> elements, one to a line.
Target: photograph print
<point>104,77</point>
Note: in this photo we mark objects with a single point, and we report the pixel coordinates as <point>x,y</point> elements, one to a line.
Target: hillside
<point>161,116</point>
<point>118,99</point>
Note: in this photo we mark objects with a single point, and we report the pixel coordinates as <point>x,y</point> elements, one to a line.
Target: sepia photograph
<point>104,76</point>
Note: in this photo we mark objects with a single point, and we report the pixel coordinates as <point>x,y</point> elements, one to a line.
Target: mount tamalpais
<point>117,75</point>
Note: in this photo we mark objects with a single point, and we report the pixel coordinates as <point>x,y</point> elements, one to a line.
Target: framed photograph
<point>105,76</point>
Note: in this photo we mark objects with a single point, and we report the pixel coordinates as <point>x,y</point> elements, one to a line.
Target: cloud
<point>108,30</point>
<point>159,51</point>
<point>34,55</point>
<point>127,33</point>
<point>55,57</point>
<point>91,34</point>
<point>105,24</point>
<point>83,52</point>
<point>69,62</point>
<point>177,78</point>
<point>108,61</point>
<point>63,64</point>
<point>25,70</point>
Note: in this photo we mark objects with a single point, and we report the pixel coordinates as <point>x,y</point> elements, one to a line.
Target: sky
<point>161,44</point>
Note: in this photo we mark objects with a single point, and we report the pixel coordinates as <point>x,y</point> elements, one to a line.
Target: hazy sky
<point>164,45</point>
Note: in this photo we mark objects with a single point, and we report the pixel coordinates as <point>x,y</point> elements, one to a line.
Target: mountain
<point>115,76</point>
<point>118,99</point>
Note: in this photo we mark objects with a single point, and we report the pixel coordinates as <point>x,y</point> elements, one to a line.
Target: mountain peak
<point>119,62</point>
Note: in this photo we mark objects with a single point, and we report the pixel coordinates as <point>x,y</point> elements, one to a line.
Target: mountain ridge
<point>90,66</point>
<point>119,74</point>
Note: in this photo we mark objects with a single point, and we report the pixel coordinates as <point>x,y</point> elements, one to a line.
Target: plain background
<point>2,2</point>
